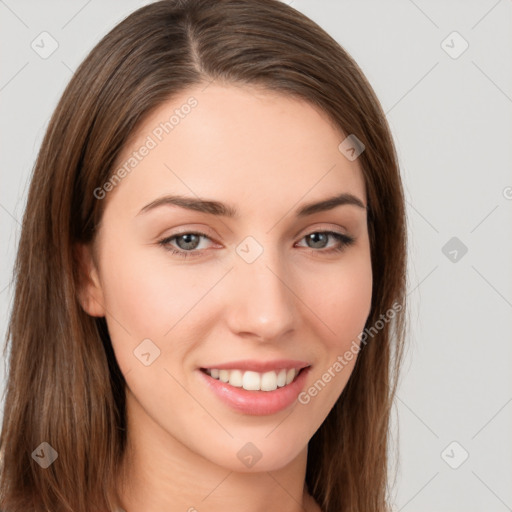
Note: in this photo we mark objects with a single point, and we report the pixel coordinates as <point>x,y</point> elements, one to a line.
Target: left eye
<point>188,242</point>
<point>319,238</point>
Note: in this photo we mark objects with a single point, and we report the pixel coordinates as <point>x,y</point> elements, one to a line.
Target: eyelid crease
<point>322,226</point>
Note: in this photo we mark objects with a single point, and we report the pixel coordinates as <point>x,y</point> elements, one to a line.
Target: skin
<point>265,154</point>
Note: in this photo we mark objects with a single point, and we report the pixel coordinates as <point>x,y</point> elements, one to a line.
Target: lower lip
<point>257,402</point>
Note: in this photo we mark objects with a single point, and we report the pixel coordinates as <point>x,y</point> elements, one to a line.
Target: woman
<point>210,281</point>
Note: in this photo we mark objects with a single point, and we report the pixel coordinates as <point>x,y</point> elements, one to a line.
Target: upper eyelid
<point>210,233</point>
<point>206,235</point>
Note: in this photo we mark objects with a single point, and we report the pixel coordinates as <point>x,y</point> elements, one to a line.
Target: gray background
<point>450,116</point>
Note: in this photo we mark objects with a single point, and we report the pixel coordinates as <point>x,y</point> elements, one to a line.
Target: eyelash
<point>344,242</point>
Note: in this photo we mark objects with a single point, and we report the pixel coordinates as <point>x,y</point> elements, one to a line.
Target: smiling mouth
<point>255,381</point>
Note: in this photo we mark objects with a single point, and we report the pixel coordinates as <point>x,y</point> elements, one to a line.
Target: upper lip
<point>259,366</point>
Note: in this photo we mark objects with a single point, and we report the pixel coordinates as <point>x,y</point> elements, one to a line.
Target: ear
<point>90,292</point>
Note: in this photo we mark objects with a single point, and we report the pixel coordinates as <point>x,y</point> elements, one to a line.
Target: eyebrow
<point>221,209</point>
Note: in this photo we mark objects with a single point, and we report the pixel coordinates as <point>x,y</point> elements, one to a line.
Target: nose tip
<point>262,303</point>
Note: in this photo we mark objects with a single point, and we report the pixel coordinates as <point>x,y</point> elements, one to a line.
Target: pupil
<point>314,238</point>
<point>190,242</point>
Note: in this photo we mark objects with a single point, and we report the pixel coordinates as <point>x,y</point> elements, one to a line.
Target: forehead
<point>241,144</point>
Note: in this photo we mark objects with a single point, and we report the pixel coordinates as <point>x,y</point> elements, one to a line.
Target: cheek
<point>149,296</point>
<point>148,293</point>
<point>342,304</point>
<point>340,297</point>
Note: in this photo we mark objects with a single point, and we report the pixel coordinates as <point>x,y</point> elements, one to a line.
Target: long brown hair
<point>64,385</point>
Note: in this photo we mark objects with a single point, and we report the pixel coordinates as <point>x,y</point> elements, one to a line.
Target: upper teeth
<point>254,381</point>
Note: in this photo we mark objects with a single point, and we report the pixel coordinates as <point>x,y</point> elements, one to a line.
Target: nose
<point>261,302</point>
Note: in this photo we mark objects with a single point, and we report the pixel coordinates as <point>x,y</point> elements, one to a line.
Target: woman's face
<point>257,292</point>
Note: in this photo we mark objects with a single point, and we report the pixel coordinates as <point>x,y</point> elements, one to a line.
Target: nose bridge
<point>262,302</point>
